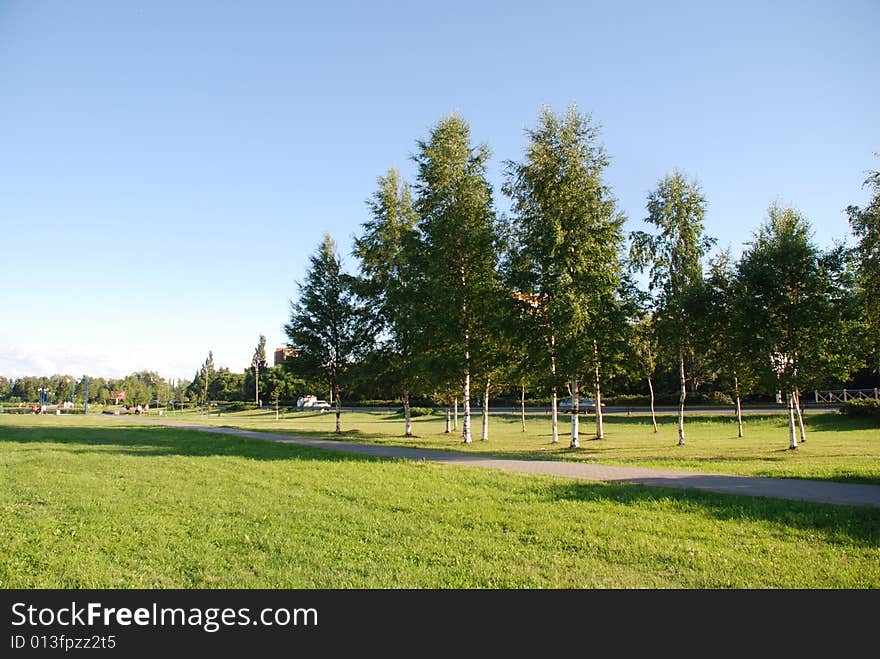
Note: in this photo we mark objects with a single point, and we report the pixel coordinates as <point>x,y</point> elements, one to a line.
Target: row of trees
<point>140,387</point>
<point>451,296</point>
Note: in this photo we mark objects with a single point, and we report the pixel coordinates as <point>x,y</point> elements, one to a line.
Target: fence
<point>843,395</point>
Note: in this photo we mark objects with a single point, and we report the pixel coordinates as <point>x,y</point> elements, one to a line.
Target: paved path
<point>845,494</point>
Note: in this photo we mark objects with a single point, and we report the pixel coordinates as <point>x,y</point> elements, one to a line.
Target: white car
<point>587,405</point>
<point>312,403</point>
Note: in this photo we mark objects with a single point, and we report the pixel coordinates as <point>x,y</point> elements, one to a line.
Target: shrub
<point>862,407</point>
<point>416,411</point>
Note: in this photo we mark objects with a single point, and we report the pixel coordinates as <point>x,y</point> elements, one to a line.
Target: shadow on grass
<point>167,441</point>
<point>843,525</point>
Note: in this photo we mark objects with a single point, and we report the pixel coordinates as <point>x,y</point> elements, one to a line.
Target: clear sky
<point>167,167</point>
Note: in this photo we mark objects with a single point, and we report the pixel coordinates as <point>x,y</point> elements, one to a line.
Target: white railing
<point>843,395</point>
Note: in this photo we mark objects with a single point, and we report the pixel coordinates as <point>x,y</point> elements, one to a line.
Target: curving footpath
<point>843,494</point>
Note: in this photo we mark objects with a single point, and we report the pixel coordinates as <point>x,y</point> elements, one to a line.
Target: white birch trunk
<point>739,412</point>
<point>554,414</point>
<point>276,409</point>
<point>792,436</point>
<point>455,418</point>
<point>485,434</point>
<point>406,415</point>
<point>466,395</point>
<point>522,407</point>
<point>800,417</point>
<point>338,408</point>
<point>448,416</point>
<point>681,400</point>
<point>575,415</point>
<point>653,414</point>
<point>256,383</point>
<point>600,418</point>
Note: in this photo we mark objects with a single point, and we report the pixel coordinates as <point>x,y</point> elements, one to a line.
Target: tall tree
<point>206,372</point>
<point>794,325</point>
<point>388,253</point>
<point>258,361</point>
<point>865,225</point>
<point>568,234</point>
<point>673,257</point>
<point>460,250</point>
<point>646,353</point>
<point>328,326</point>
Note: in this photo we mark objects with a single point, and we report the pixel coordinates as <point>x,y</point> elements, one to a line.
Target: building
<point>283,353</point>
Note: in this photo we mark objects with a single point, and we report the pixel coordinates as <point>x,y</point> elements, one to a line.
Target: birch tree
<point>672,256</point>
<point>328,326</point>
<point>460,243</point>
<point>646,353</point>
<point>795,326</point>
<point>569,232</point>
<point>258,361</point>
<point>865,226</point>
<point>387,249</point>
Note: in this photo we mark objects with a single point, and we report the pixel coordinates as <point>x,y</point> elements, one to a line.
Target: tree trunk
<point>455,418</point>
<point>600,419</point>
<point>338,406</point>
<point>800,417</point>
<point>406,414</point>
<point>466,395</point>
<point>276,409</point>
<point>485,435</point>
<point>257,383</point>
<point>739,412</point>
<point>448,415</point>
<point>653,414</point>
<point>331,393</point>
<point>522,407</point>
<point>553,406</point>
<point>792,436</point>
<point>575,415</point>
<point>681,400</point>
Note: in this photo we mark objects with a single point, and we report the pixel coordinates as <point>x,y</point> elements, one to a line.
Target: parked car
<point>587,405</point>
<point>312,403</point>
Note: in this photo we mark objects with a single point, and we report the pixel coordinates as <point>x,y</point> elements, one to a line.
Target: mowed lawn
<point>838,448</point>
<point>102,502</point>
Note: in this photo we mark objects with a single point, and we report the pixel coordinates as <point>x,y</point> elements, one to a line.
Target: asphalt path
<point>844,494</point>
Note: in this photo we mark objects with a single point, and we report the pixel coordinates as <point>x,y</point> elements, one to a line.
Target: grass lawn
<point>108,502</point>
<point>838,448</point>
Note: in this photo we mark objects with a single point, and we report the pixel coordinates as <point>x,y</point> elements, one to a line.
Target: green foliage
<point>792,315</point>
<point>565,265</point>
<point>863,407</point>
<point>392,285</point>
<point>865,225</point>
<point>416,411</point>
<point>328,326</point>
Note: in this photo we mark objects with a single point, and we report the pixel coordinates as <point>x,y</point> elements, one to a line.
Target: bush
<point>416,411</point>
<point>862,407</point>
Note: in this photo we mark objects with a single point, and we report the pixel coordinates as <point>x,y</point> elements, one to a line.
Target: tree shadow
<point>839,525</point>
<point>160,440</point>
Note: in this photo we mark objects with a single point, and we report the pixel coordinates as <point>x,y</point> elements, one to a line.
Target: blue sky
<point>166,168</point>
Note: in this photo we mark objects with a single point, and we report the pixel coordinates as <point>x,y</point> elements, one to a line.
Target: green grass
<point>838,448</point>
<point>91,502</point>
